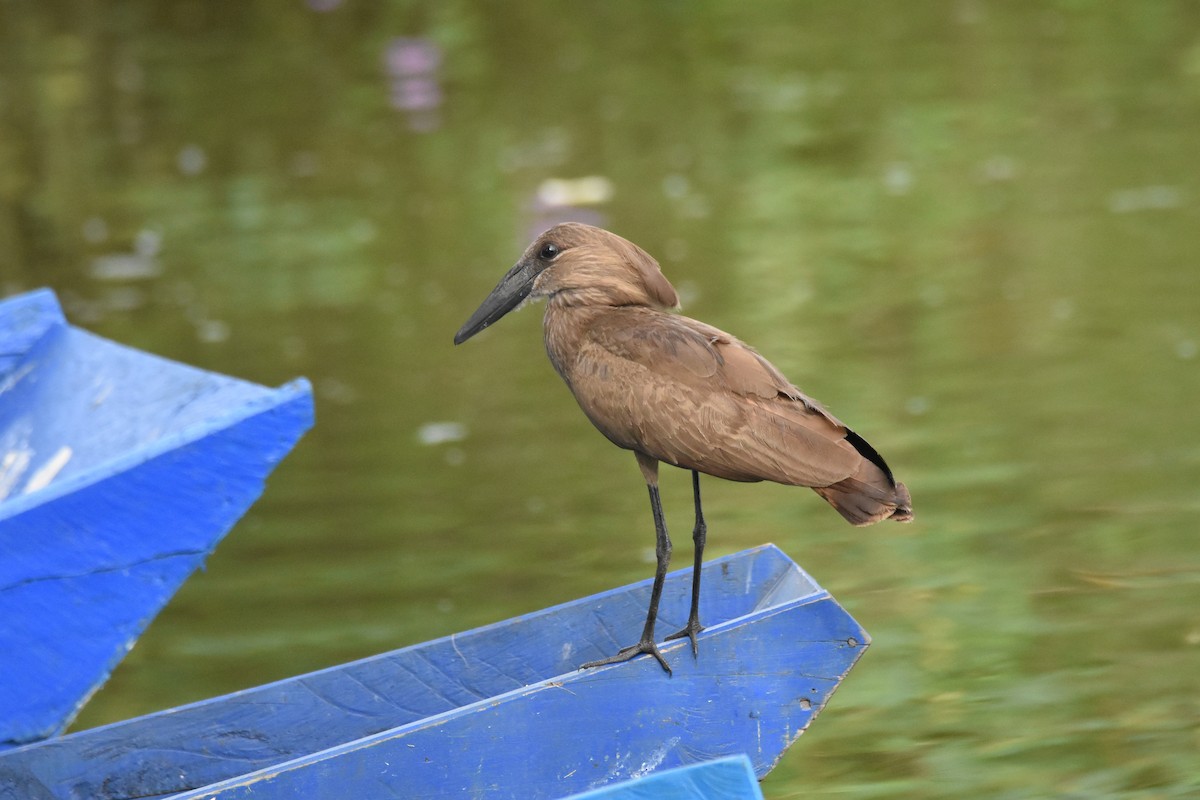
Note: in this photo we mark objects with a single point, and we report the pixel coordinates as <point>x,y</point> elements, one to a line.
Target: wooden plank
<point>119,473</point>
<point>494,709</point>
<point>729,778</point>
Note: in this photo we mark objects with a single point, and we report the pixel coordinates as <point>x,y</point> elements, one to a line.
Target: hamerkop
<point>672,389</point>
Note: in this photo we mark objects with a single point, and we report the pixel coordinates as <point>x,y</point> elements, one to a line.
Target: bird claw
<point>690,630</point>
<point>627,653</point>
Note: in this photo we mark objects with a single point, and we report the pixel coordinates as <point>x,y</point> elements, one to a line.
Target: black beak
<point>508,294</point>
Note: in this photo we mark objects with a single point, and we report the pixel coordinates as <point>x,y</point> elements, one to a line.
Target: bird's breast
<point>598,379</point>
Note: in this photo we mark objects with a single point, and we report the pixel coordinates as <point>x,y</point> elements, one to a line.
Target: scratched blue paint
<point>729,778</point>
<point>499,711</point>
<point>119,473</point>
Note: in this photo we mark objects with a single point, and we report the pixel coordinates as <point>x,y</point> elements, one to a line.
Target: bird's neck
<point>564,328</point>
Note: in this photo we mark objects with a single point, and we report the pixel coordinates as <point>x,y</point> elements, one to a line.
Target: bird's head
<point>576,264</point>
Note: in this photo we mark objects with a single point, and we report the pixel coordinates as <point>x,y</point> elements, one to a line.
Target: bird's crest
<point>657,287</point>
<point>599,267</point>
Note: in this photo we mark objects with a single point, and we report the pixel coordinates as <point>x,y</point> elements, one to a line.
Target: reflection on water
<point>412,66</point>
<point>970,228</point>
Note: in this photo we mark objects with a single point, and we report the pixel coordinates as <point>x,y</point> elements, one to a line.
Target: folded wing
<point>694,396</point>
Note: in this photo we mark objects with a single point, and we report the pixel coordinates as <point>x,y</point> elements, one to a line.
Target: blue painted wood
<point>499,711</point>
<point>23,320</point>
<point>119,473</point>
<point>729,778</point>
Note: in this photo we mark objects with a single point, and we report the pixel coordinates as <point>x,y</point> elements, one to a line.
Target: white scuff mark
<point>41,478</point>
<point>566,651</point>
<point>656,758</point>
<point>15,377</point>
<point>102,392</point>
<point>12,467</point>
<point>615,771</point>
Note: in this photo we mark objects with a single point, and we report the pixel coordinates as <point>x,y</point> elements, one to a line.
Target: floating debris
<point>124,267</point>
<point>212,331</point>
<point>917,405</point>
<point>191,160</point>
<point>94,230</point>
<point>141,264</point>
<point>1144,198</point>
<point>337,391</point>
<point>590,190</point>
<point>999,169</point>
<point>898,178</point>
<point>570,200</point>
<point>435,433</point>
<point>675,186</point>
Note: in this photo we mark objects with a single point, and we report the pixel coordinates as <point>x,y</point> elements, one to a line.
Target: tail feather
<point>870,495</point>
<point>862,504</point>
<point>904,511</point>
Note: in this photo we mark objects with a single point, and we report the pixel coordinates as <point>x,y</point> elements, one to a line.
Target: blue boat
<point>729,778</point>
<point>119,473</point>
<point>502,711</point>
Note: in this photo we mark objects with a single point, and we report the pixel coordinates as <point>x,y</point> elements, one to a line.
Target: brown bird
<point>672,389</point>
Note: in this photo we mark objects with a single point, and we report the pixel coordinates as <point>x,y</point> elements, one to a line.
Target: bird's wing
<point>685,349</point>
<point>692,395</point>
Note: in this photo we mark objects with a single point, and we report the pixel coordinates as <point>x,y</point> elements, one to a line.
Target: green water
<point>972,229</point>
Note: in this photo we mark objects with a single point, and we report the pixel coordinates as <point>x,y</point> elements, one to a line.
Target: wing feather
<point>694,396</point>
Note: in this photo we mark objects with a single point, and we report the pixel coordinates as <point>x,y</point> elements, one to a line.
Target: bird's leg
<point>662,554</point>
<point>699,536</point>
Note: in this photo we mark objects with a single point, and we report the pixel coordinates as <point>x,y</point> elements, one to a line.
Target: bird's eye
<point>549,251</point>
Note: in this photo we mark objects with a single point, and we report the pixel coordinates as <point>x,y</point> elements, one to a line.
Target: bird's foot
<point>626,653</point>
<point>690,630</point>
